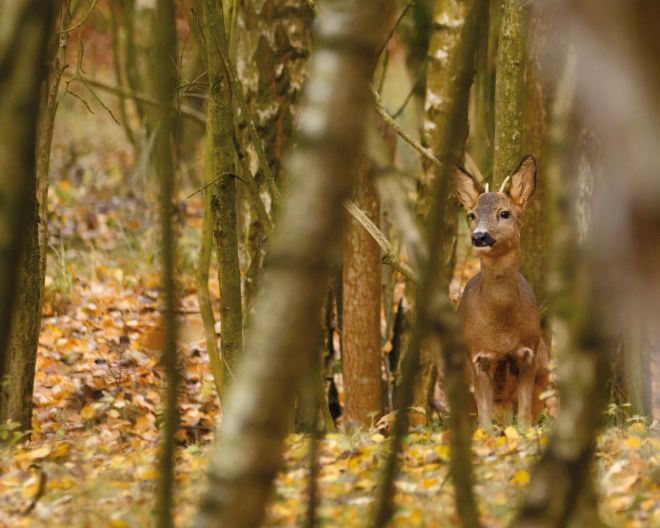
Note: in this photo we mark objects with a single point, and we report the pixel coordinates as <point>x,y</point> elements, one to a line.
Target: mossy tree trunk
<point>24,36</point>
<point>361,339</point>
<point>444,69</point>
<point>24,339</point>
<point>221,156</point>
<point>285,324</point>
<point>165,81</point>
<point>510,88</point>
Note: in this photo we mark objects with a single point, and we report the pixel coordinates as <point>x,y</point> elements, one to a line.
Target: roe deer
<point>506,355</point>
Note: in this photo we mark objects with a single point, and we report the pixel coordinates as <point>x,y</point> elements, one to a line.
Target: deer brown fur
<point>506,355</point>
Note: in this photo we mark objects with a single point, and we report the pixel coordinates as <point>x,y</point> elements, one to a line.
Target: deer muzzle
<point>482,239</point>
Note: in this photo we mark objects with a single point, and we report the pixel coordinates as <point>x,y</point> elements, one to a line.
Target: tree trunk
<point>540,83</point>
<point>361,359</point>
<point>482,116</point>
<point>509,89</point>
<point>164,74</point>
<point>273,49</point>
<point>285,326</point>
<point>443,69</point>
<point>16,403</point>
<point>223,197</point>
<point>24,36</point>
<point>561,488</point>
<point>435,313</point>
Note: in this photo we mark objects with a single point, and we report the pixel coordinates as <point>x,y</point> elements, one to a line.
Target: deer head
<point>494,216</point>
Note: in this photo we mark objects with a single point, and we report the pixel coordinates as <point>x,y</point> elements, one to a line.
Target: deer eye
<point>471,216</point>
<point>505,214</point>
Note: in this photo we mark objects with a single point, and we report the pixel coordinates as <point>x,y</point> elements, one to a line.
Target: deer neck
<point>499,284</point>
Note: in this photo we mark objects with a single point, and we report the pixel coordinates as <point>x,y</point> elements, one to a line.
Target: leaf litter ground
<point>92,458</point>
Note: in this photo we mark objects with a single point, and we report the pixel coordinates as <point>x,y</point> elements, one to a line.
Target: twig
<point>122,92</point>
<point>395,126</point>
<point>83,20</point>
<point>207,185</point>
<point>41,489</point>
<point>396,24</point>
<point>389,255</point>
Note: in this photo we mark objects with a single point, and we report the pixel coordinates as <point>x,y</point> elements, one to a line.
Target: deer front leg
<point>483,390</point>
<point>527,374</point>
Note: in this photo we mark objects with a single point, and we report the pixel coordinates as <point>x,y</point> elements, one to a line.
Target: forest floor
<point>91,460</point>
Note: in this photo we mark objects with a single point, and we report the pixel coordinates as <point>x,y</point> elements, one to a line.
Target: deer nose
<point>482,239</point>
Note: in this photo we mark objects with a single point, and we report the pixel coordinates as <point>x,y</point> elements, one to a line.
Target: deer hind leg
<point>483,389</point>
<point>527,363</point>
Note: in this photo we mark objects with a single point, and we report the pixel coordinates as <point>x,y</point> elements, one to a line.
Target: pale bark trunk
<point>285,325</point>
<point>23,42</point>
<point>509,89</point>
<point>361,340</point>
<point>164,74</point>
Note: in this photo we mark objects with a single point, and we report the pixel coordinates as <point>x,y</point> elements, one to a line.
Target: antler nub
<point>505,184</point>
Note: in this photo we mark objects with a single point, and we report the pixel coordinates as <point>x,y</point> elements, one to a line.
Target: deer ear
<point>523,182</point>
<point>468,189</point>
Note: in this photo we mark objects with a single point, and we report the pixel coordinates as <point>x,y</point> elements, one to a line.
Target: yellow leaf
<point>479,434</point>
<point>520,477</point>
<point>87,413</point>
<point>633,442</point>
<point>41,452</point>
<point>442,451</point>
<point>146,473</point>
<point>639,428</point>
<point>511,433</point>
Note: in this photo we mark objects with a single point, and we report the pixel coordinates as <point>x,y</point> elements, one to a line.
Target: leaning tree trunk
<point>361,340</point>
<point>443,69</point>
<point>223,197</point>
<point>435,314</point>
<point>285,325</point>
<point>165,81</point>
<point>24,338</point>
<point>509,88</point>
<point>24,35</point>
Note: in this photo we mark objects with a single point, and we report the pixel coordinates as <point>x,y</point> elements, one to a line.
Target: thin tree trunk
<point>361,359</point>
<point>203,292</point>
<point>16,403</point>
<point>164,74</point>
<point>434,311</point>
<point>443,69</point>
<point>24,36</point>
<point>223,197</point>
<point>285,324</point>
<point>509,88</point>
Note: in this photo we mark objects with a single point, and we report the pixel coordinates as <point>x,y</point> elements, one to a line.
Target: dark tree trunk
<point>24,36</point>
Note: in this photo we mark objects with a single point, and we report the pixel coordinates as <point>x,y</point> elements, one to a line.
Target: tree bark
<point>509,89</point>
<point>223,192</point>
<point>361,348</point>
<point>164,74</point>
<point>16,402</point>
<point>285,325</point>
<point>441,98</point>
<point>24,37</point>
